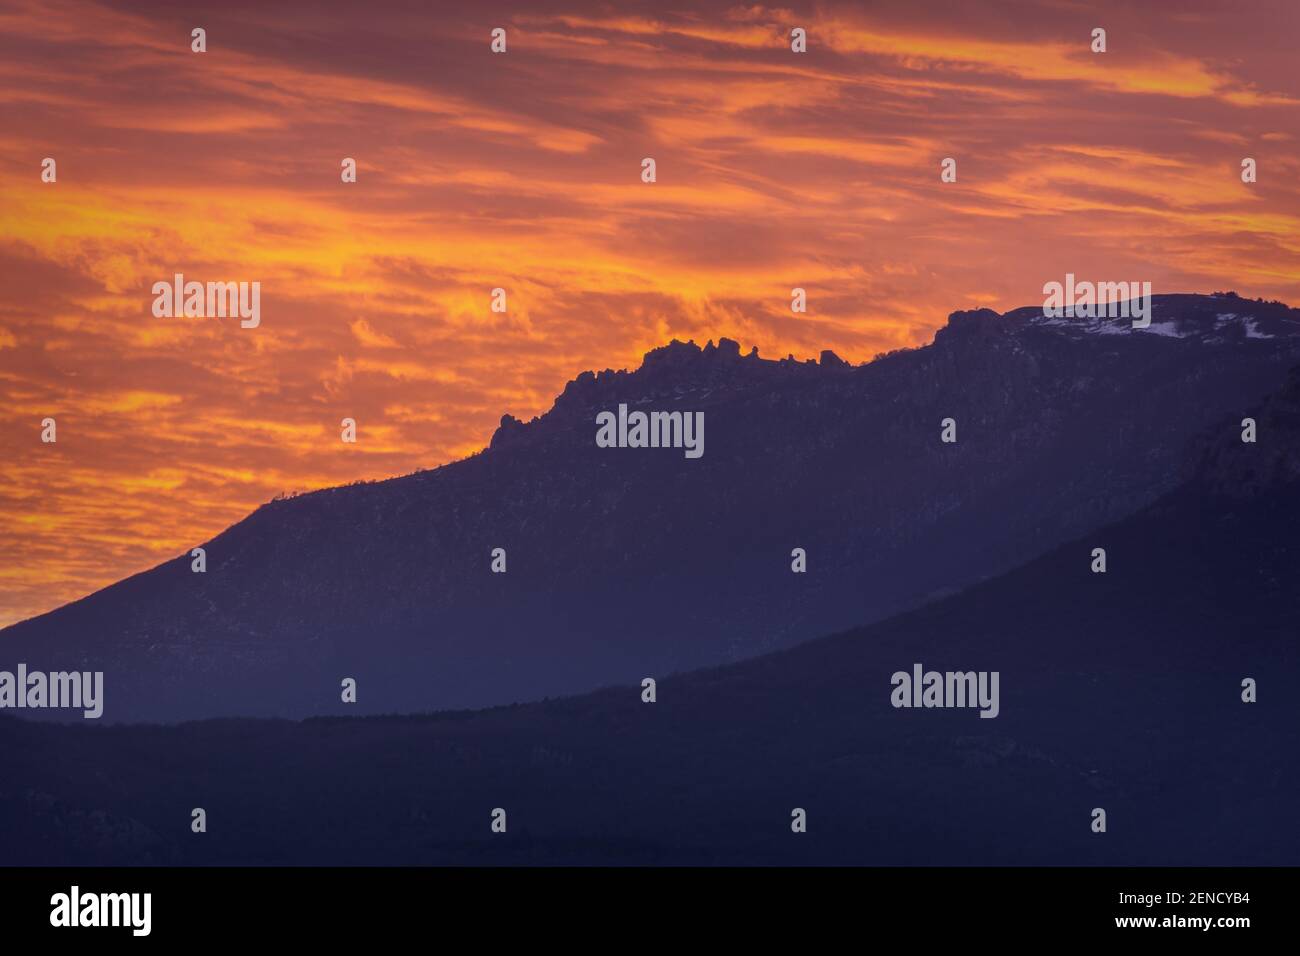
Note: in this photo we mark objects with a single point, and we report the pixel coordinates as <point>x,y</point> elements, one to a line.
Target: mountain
<point>624,562</point>
<point>1119,690</point>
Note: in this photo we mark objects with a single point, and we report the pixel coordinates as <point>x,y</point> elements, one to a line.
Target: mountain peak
<point>686,372</point>
<point>1219,318</point>
<point>1062,431</point>
<point>675,372</point>
<point>1213,319</point>
<point>973,323</point>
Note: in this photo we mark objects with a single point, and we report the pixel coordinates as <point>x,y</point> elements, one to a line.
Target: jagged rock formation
<point>629,562</point>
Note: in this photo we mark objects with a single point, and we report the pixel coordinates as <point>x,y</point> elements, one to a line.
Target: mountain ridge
<point>1119,690</point>
<point>711,363</point>
<point>389,582</point>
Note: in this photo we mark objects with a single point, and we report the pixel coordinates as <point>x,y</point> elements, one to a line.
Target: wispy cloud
<point>522,171</point>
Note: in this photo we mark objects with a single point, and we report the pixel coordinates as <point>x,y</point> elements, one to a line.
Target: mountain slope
<point>1119,690</point>
<point>623,562</point>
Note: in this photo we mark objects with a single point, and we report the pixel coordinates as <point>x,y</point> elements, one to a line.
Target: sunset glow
<point>522,171</point>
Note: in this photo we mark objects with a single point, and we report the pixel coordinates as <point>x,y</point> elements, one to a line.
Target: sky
<point>522,171</point>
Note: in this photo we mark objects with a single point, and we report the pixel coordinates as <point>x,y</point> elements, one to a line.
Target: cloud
<point>369,337</point>
<point>522,171</point>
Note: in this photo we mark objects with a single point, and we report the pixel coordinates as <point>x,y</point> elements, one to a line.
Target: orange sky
<point>522,171</point>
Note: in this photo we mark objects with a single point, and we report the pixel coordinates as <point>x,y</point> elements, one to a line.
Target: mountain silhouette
<point>628,562</point>
<point>1120,691</point>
